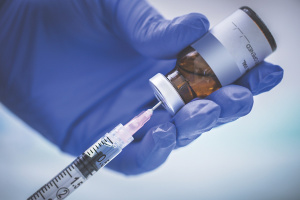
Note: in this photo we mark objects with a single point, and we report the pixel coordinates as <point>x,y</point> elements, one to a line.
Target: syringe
<point>93,159</point>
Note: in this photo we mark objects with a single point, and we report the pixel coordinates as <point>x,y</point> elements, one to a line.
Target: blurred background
<point>255,157</point>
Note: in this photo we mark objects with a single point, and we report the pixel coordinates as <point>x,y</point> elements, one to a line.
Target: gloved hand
<point>75,69</point>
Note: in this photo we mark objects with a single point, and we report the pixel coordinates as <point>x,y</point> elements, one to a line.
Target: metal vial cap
<point>166,93</point>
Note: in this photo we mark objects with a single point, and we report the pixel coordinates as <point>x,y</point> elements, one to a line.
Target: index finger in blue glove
<point>147,154</point>
<point>261,78</point>
<point>236,101</point>
<point>150,33</point>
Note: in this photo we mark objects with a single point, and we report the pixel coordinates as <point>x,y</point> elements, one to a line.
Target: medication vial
<point>218,58</point>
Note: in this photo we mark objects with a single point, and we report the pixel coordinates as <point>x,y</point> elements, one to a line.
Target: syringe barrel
<point>85,165</point>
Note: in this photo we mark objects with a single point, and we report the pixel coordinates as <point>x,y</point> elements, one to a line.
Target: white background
<point>255,157</point>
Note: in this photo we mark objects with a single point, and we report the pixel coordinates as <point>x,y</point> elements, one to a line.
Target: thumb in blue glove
<point>149,33</point>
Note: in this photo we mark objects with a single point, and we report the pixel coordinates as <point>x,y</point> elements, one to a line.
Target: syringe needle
<point>138,121</point>
<point>157,105</point>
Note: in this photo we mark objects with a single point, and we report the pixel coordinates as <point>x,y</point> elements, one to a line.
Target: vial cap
<point>166,93</point>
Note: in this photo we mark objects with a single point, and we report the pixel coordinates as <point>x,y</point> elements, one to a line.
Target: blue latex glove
<point>75,69</point>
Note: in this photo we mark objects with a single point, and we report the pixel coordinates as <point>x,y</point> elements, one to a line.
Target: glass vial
<point>218,58</point>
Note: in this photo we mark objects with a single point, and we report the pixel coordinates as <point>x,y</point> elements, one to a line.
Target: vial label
<point>233,47</point>
<point>218,58</point>
<point>244,40</point>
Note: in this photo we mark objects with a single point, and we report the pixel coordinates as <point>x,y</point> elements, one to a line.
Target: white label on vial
<point>243,39</point>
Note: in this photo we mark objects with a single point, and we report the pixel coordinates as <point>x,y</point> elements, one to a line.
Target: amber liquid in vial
<point>192,77</point>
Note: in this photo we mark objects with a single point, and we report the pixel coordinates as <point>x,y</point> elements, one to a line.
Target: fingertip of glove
<point>196,107</point>
<point>244,98</point>
<point>262,78</point>
<point>195,118</point>
<point>270,80</point>
<point>190,26</point>
<point>155,151</point>
<point>234,100</point>
<point>164,135</point>
<point>202,113</point>
<point>193,20</point>
<point>171,36</point>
